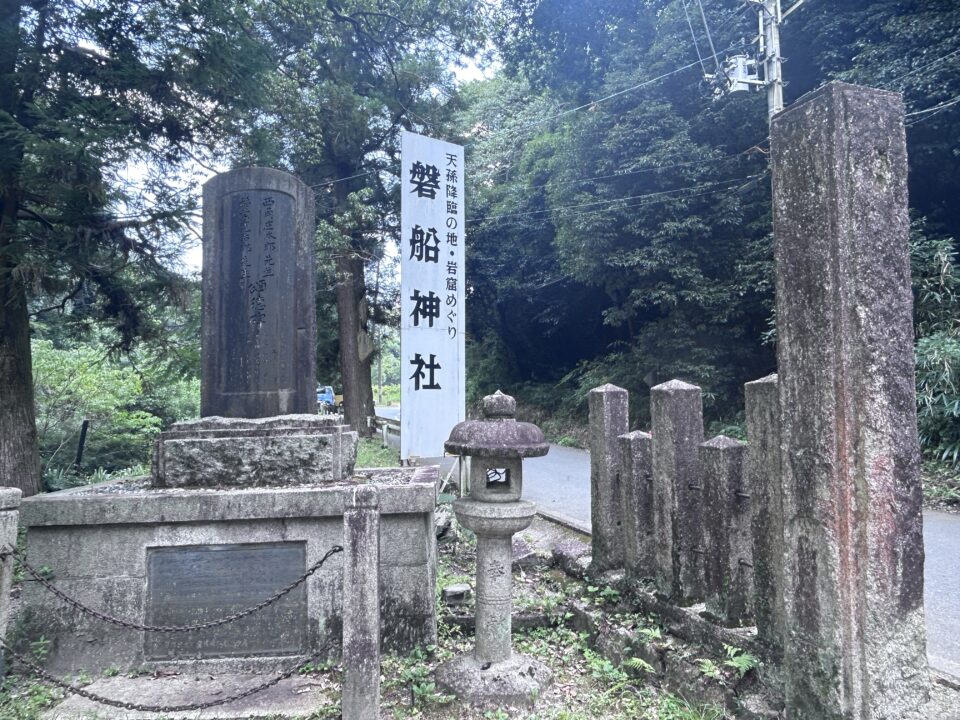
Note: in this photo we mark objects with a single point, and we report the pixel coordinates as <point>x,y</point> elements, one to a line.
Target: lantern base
<point>517,681</point>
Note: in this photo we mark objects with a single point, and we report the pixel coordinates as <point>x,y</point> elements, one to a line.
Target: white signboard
<point>433,391</point>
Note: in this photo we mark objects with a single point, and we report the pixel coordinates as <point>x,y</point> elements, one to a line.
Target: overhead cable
<point>645,200</point>
<point>696,45</point>
<point>605,202</point>
<point>921,68</point>
<point>706,27</point>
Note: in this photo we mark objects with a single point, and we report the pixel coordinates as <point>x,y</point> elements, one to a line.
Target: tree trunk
<point>356,344</point>
<point>19,463</point>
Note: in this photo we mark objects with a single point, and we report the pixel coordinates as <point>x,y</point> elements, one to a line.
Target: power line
<point>921,68</point>
<point>653,168</point>
<point>605,202</point>
<point>618,93</point>
<point>931,111</point>
<point>696,45</point>
<point>567,214</point>
<point>706,27</point>
<point>564,113</point>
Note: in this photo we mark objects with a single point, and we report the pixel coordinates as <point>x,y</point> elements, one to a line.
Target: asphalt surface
<point>559,483</point>
<point>391,412</point>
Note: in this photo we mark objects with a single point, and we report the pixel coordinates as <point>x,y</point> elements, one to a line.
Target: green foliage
<point>740,661</point>
<point>936,283</point>
<point>941,485</point>
<point>710,668</point>
<point>83,381</point>
<point>647,247</point>
<point>635,663</point>
<point>23,698</point>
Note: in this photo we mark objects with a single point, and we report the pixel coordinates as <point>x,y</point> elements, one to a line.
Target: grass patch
<point>941,485</point>
<point>371,454</point>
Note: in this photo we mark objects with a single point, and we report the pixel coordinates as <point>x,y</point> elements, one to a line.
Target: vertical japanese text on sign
<point>432,281</point>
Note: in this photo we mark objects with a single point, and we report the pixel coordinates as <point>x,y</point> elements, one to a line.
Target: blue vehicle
<point>326,401</point>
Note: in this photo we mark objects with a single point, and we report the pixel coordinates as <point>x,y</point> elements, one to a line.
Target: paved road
<point>559,483</point>
<point>391,412</point>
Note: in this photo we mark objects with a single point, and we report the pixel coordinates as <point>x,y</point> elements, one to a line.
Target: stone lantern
<point>492,674</point>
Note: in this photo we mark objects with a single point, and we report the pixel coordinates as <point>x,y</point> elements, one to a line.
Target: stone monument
<point>259,312</point>
<point>492,675</point>
<point>258,386</point>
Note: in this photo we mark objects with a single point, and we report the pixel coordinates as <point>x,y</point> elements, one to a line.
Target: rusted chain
<point>40,672</point>
<point>38,576</point>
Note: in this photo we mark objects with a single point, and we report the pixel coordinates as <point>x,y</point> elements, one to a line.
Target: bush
<point>936,287</point>
<point>938,398</point>
<point>125,405</point>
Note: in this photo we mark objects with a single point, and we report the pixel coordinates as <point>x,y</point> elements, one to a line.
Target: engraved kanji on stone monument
<point>259,323</point>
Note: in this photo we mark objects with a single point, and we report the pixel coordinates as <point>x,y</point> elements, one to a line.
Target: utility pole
<point>741,71</point>
<point>770,19</point>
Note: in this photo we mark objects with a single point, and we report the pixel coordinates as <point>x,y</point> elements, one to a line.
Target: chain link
<point>39,671</point>
<point>38,576</point>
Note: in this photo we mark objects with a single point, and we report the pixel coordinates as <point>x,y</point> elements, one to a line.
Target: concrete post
<point>609,418</point>
<point>9,522</point>
<point>856,646</point>
<point>764,483</point>
<point>636,486</point>
<point>259,318</point>
<point>728,539</point>
<point>361,606</point>
<point>676,410</point>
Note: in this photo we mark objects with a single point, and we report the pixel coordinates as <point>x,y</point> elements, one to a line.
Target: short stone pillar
<point>259,312</point>
<point>9,523</point>
<point>492,675</point>
<point>609,419</point>
<point>676,411</point>
<point>361,605</point>
<point>764,482</point>
<point>728,537</point>
<point>636,487</point>
<point>856,641</point>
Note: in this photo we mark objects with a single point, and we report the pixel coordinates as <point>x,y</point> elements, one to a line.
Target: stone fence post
<point>636,486</point>
<point>361,606</point>
<point>728,537</point>
<point>856,646</point>
<point>9,522</point>
<point>609,419</point>
<point>765,485</point>
<point>676,410</point>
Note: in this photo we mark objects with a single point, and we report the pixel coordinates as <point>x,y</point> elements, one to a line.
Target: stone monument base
<point>254,452</point>
<point>517,681</point>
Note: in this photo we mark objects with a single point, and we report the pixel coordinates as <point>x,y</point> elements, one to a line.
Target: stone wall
<point>119,549</point>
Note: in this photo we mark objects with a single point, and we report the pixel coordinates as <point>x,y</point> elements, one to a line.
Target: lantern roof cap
<point>499,434</point>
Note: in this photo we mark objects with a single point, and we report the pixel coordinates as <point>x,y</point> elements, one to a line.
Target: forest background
<point>618,210</point>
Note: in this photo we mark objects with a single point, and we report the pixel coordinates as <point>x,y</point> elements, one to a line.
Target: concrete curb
<point>565,521</point>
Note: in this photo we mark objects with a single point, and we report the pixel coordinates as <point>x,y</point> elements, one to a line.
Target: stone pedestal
<point>233,452</point>
<point>492,675</point>
<point>856,641</point>
<point>259,313</point>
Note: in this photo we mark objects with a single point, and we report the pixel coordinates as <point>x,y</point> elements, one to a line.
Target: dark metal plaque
<point>200,583</point>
